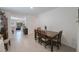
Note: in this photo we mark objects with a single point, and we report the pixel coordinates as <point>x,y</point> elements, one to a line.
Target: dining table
<point>50,35</point>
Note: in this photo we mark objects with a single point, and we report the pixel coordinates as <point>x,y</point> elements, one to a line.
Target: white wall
<point>62,19</point>
<point>31,23</point>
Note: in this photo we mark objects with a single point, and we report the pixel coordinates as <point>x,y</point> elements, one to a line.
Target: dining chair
<point>44,40</point>
<point>35,34</point>
<point>38,34</point>
<point>5,38</point>
<point>57,40</point>
<point>6,41</point>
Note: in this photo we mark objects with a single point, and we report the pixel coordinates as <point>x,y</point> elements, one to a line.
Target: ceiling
<point>28,10</point>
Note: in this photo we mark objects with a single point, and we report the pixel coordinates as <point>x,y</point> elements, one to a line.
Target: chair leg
<point>6,47</point>
<point>60,43</point>
<point>39,40</point>
<point>45,45</point>
<point>58,47</point>
<point>9,42</point>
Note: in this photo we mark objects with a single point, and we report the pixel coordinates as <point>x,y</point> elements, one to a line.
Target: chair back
<point>60,35</point>
<point>38,28</point>
<point>39,33</point>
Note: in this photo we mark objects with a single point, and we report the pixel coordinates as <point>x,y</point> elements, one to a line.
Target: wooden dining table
<point>50,35</point>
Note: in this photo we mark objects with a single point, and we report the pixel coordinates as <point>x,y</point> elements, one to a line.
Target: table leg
<point>35,35</point>
<point>51,46</point>
<point>9,42</point>
<point>6,47</point>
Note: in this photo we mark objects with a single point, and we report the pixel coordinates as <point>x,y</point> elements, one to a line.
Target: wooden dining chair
<point>44,40</point>
<point>37,33</point>
<point>39,36</point>
<point>57,40</point>
<point>6,42</point>
<point>5,38</point>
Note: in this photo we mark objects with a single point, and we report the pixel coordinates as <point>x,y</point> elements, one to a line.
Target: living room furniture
<point>25,31</point>
<point>19,25</point>
<point>50,35</point>
<point>18,28</point>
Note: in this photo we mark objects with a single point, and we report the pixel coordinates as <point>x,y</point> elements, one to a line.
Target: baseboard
<point>70,47</point>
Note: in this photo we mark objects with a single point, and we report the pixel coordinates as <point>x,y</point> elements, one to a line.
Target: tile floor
<point>27,43</point>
